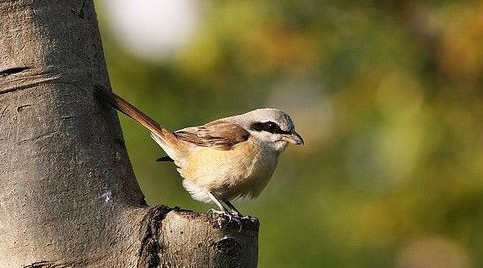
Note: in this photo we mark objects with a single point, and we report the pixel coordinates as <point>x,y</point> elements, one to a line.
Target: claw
<point>232,217</point>
<point>214,211</point>
<point>248,218</point>
<point>237,220</point>
<point>237,214</point>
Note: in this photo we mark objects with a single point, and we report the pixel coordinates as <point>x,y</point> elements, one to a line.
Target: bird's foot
<point>217,212</point>
<point>232,217</point>
<point>249,218</point>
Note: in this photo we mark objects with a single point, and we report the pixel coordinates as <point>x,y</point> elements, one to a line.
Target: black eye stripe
<point>257,126</point>
<point>269,126</point>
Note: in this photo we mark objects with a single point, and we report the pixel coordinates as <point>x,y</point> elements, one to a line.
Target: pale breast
<point>243,171</point>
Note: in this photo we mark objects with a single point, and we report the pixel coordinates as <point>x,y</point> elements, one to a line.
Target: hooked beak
<point>294,138</point>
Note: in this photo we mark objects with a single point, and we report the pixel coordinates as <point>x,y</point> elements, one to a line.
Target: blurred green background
<point>387,95</point>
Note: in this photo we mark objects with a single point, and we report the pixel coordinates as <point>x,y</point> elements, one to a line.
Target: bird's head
<point>271,126</point>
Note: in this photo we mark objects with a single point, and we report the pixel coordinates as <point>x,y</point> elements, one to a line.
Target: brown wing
<point>221,135</point>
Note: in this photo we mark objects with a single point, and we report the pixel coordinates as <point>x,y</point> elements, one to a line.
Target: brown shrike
<point>224,159</point>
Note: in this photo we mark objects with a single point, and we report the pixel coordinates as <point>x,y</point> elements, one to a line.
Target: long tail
<point>134,113</point>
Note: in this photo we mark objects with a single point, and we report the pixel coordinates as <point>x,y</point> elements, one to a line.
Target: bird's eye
<point>273,128</point>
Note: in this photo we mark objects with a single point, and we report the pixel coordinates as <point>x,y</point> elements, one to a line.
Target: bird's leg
<point>225,211</point>
<point>236,212</point>
<point>217,202</point>
<point>233,208</point>
<point>237,215</point>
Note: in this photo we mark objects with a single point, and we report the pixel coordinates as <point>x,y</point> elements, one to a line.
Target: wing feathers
<point>218,134</point>
<point>165,159</point>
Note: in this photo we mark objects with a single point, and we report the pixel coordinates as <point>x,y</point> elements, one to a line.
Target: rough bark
<point>68,195</point>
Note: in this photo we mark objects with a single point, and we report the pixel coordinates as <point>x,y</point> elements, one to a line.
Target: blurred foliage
<point>388,96</point>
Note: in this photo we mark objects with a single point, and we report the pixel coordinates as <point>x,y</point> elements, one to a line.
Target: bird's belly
<point>256,180</point>
<point>243,172</point>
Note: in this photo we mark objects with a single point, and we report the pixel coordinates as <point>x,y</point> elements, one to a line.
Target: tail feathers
<point>126,108</point>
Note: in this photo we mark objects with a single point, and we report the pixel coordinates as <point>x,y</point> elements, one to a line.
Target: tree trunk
<point>68,195</point>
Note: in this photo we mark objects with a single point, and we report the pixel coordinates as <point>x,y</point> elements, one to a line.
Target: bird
<point>225,159</point>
